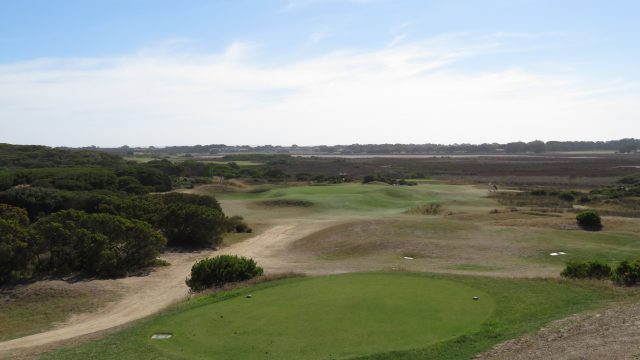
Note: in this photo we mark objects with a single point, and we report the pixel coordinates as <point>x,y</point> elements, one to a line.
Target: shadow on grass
<point>597,227</point>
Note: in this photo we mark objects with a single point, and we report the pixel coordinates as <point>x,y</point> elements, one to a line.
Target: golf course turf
<point>369,315</point>
<point>363,199</point>
<point>327,317</point>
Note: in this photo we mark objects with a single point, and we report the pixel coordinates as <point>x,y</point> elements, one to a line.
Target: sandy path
<point>147,295</point>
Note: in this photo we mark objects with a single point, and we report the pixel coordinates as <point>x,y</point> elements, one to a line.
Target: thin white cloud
<point>295,4</point>
<point>318,36</point>
<point>408,93</point>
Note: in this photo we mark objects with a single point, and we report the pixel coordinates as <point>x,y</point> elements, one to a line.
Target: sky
<point>311,72</point>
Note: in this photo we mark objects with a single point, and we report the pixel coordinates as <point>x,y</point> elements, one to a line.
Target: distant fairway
<point>366,199</point>
<point>371,230</point>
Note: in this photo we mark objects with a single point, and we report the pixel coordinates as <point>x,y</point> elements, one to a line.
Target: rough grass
<point>379,316</point>
<point>474,267</point>
<point>30,309</point>
<point>511,244</point>
<point>607,246</point>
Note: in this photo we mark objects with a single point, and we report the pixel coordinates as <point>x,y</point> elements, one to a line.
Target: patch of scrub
<point>286,203</point>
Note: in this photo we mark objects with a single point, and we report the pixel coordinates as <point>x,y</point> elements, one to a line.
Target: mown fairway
<point>349,199</point>
<point>375,315</point>
<point>338,316</point>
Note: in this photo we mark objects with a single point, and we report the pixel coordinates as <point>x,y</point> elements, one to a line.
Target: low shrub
<point>220,270</point>
<point>236,224</point>
<point>373,179</point>
<point>287,203</point>
<point>589,219</point>
<point>627,273</point>
<point>588,270</point>
<point>430,209</point>
<point>566,196</point>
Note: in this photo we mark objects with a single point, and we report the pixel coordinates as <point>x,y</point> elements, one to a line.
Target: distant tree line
<point>387,180</point>
<point>84,170</point>
<point>628,145</point>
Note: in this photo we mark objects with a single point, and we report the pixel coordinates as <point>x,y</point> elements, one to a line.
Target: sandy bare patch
<point>610,334</point>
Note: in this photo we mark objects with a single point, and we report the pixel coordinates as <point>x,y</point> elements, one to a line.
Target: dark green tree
<point>98,244</point>
<point>192,225</point>
<point>589,220</point>
<point>15,242</point>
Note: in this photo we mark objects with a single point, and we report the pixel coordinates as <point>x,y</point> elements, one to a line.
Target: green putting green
<point>323,318</point>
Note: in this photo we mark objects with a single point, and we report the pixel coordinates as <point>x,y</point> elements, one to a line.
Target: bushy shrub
<point>219,270</point>
<point>589,219</point>
<point>588,270</point>
<point>15,242</point>
<point>191,199</point>
<point>236,224</point>
<point>131,185</point>
<point>407,183</point>
<point>192,225</point>
<point>73,241</point>
<point>36,200</point>
<point>430,209</point>
<point>566,196</point>
<point>6,180</point>
<point>627,273</point>
<point>388,180</point>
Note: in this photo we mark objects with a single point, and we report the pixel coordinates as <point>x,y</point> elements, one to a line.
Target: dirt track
<point>146,295</point>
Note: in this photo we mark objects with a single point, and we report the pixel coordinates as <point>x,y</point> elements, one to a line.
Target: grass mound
<point>357,198</point>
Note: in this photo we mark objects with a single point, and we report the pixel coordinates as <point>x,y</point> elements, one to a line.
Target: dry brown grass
<point>27,309</point>
<point>501,244</point>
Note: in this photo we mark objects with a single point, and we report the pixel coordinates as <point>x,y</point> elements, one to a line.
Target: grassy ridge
<point>245,330</point>
<point>366,198</point>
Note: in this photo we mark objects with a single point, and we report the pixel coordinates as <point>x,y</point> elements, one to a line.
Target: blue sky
<point>154,72</point>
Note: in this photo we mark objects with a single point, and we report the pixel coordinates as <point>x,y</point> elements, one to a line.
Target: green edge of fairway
<point>519,306</point>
